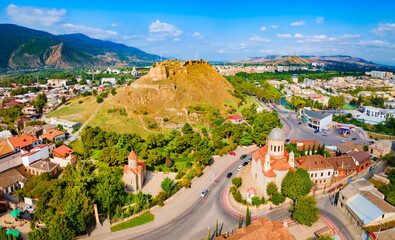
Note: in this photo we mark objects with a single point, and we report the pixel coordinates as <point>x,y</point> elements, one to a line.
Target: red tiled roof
<point>313,162</point>
<point>132,155</point>
<point>22,140</point>
<point>51,134</point>
<point>280,164</point>
<point>63,151</point>
<point>307,144</point>
<point>12,103</point>
<point>140,167</point>
<point>235,117</point>
<point>269,173</point>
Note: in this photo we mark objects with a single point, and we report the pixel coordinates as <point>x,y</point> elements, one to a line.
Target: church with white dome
<point>272,162</point>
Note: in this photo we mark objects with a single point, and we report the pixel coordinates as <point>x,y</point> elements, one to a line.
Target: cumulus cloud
<point>220,51</point>
<point>159,31</point>
<point>375,43</point>
<point>351,36</point>
<point>243,45</point>
<point>176,39</point>
<point>298,35</point>
<point>321,37</point>
<point>300,23</point>
<point>300,41</point>
<point>384,29</point>
<point>197,35</point>
<point>89,31</point>
<point>284,35</point>
<point>319,20</point>
<point>263,28</point>
<point>265,51</point>
<point>35,16</point>
<point>113,25</point>
<point>257,39</point>
<point>274,26</point>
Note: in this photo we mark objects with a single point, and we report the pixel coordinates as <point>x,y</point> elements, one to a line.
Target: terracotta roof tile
<point>51,134</point>
<point>313,162</point>
<point>5,149</point>
<point>63,151</point>
<point>22,140</point>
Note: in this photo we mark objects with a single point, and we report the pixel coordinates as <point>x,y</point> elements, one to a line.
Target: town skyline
<point>222,32</point>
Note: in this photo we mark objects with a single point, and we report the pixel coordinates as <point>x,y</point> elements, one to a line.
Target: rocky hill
<point>178,91</point>
<point>338,60</point>
<point>22,47</point>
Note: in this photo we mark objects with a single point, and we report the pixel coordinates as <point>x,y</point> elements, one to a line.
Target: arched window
<point>275,148</point>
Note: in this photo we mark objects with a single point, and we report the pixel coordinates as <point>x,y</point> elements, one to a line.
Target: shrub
<point>271,188</point>
<point>385,226</point>
<point>233,189</point>
<point>153,125</point>
<point>186,182</point>
<point>263,201</point>
<point>165,119</point>
<point>145,113</point>
<point>256,201</point>
<point>237,181</point>
<point>237,196</point>
<point>277,198</point>
<point>80,101</point>
<point>180,174</point>
<point>99,99</point>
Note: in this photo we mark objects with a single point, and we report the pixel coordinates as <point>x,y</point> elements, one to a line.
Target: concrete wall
<point>10,161</point>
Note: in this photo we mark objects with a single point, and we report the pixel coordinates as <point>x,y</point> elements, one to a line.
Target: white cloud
<point>35,16</point>
<point>113,25</point>
<point>273,26</point>
<point>319,20</point>
<point>300,23</point>
<point>263,28</point>
<point>265,51</point>
<point>375,43</point>
<point>243,45</point>
<point>89,31</point>
<point>298,35</point>
<point>320,37</point>
<point>176,39</point>
<point>383,29</point>
<point>220,51</point>
<point>129,37</point>
<point>351,36</point>
<point>284,35</point>
<point>300,41</point>
<point>197,35</point>
<point>256,39</point>
<point>159,31</point>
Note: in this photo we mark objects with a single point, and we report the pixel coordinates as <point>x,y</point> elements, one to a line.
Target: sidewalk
<point>185,199</point>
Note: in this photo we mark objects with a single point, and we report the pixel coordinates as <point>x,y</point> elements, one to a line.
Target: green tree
<point>255,201</point>
<point>167,185</point>
<point>187,129</point>
<point>303,153</point>
<point>240,221</point>
<point>216,229</point>
<point>248,216</point>
<point>277,198</point>
<point>113,91</point>
<point>154,158</point>
<point>63,100</point>
<point>271,188</point>
<point>305,211</point>
<point>237,181</point>
<point>296,184</point>
<point>99,99</point>
<point>203,156</point>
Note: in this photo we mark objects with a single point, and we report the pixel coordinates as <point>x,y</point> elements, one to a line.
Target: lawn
<point>95,154</point>
<point>77,146</point>
<point>348,107</point>
<point>134,222</point>
<point>75,111</point>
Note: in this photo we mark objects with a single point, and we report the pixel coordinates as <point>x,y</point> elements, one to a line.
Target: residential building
<point>29,110</point>
<point>364,205</point>
<point>24,141</point>
<point>260,229</point>
<point>361,160</point>
<point>316,120</point>
<point>8,157</point>
<point>54,135</point>
<point>343,166</point>
<point>134,173</point>
<point>347,147</point>
<point>57,82</point>
<point>41,152</point>
<point>272,162</point>
<point>318,167</point>
<point>380,148</point>
<point>236,119</point>
<point>112,81</point>
<point>36,130</point>
<point>41,167</point>
<point>11,180</point>
<point>63,155</point>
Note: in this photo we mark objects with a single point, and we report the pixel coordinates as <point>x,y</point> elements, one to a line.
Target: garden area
<point>134,222</point>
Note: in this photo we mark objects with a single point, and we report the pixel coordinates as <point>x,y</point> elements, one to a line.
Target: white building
<point>112,81</point>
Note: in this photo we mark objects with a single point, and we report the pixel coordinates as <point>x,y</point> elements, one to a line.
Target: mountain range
<point>337,60</point>
<point>22,47</point>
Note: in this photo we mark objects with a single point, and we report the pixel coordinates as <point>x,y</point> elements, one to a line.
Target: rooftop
<point>9,177</point>
<point>276,134</point>
<point>313,162</point>
<point>22,140</point>
<point>316,115</point>
<point>63,151</point>
<point>43,166</point>
<point>381,145</point>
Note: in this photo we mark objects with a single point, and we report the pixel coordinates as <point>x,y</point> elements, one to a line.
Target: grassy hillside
<point>75,111</point>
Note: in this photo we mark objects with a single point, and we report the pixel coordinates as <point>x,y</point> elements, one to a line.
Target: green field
<point>77,146</point>
<point>75,111</point>
<point>134,222</point>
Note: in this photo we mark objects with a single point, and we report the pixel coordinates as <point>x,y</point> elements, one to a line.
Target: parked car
<point>204,193</point>
<point>342,141</point>
<point>299,123</point>
<point>243,156</point>
<point>229,175</point>
<point>240,167</point>
<point>287,140</point>
<point>353,139</point>
<point>250,159</point>
<point>325,134</point>
<point>245,163</point>
<point>232,153</point>
<point>371,142</point>
<point>30,208</point>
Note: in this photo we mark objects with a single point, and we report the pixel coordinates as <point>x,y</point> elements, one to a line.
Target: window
<point>320,181</point>
<point>311,175</point>
<point>329,173</point>
<point>315,174</point>
<point>322,174</point>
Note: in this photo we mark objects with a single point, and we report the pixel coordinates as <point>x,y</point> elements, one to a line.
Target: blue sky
<point>221,30</point>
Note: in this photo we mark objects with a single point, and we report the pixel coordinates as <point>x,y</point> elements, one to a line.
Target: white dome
<point>276,134</point>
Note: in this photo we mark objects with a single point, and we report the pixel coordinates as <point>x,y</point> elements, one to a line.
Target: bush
<point>99,99</point>
<point>256,201</point>
<point>153,125</point>
<point>237,181</point>
<point>80,101</point>
<point>165,119</point>
<point>277,198</point>
<point>237,196</point>
<point>385,226</point>
<point>186,182</point>
<point>180,174</point>
<point>233,189</point>
<point>271,188</point>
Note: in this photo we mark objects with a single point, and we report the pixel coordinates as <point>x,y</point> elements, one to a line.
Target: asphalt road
<point>194,223</point>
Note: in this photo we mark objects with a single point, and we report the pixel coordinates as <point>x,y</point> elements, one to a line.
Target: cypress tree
<point>308,151</point>
<point>323,150</point>
<point>248,217</point>
<point>239,220</point>
<point>303,153</point>
<point>313,150</point>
